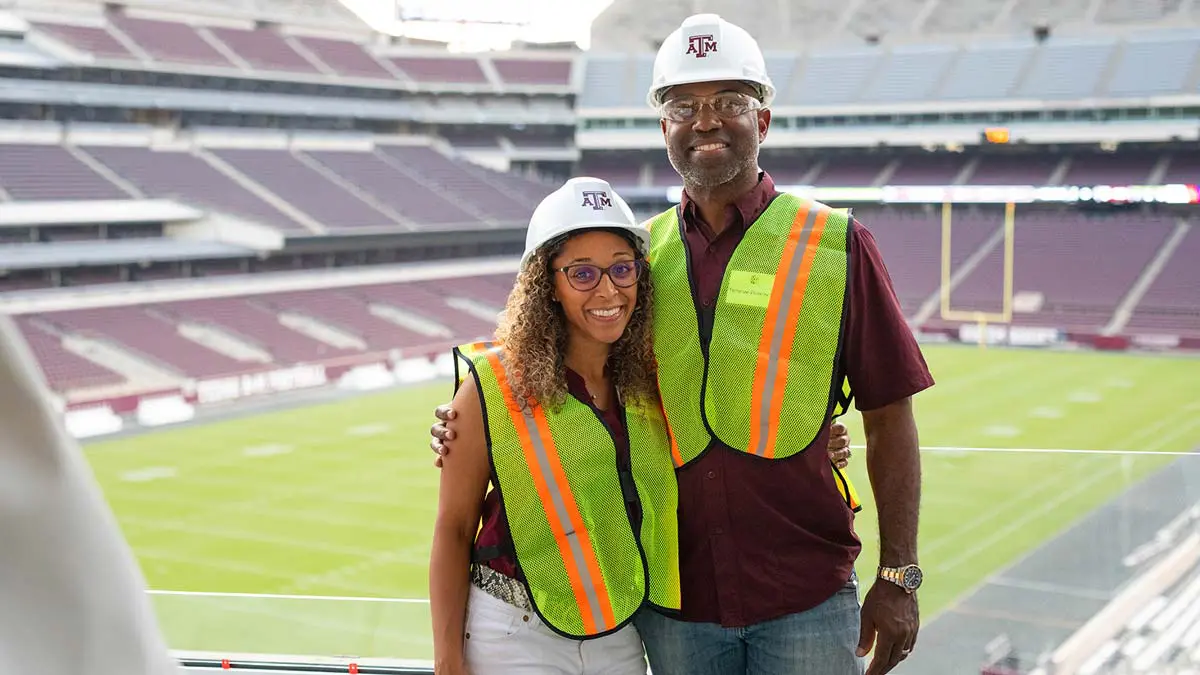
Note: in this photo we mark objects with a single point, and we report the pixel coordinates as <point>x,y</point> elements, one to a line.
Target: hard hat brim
<point>766,89</point>
<point>640,235</point>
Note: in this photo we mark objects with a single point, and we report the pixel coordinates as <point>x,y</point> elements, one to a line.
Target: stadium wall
<point>90,418</point>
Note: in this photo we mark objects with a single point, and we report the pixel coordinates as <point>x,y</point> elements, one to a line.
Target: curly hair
<point>533,332</point>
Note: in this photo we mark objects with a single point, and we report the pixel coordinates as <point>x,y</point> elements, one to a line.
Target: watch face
<point>912,578</point>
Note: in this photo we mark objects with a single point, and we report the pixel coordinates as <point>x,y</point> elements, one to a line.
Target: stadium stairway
<point>1124,311</point>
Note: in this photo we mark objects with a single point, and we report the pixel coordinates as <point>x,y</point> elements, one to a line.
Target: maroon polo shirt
<point>760,539</point>
<point>494,531</point>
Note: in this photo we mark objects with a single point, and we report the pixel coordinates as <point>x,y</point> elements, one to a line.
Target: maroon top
<point>494,532</point>
<point>762,539</point>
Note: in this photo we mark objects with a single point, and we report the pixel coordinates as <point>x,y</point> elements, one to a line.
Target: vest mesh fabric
<point>677,337</point>
<point>654,475</point>
<point>810,286</point>
<point>768,383</point>
<point>566,514</point>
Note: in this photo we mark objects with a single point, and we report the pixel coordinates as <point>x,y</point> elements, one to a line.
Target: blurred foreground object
<point>74,598</point>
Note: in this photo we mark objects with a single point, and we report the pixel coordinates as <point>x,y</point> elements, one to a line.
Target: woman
<point>562,416</point>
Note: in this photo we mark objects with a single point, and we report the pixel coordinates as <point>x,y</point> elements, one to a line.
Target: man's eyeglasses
<point>727,105</point>
<point>585,276</point>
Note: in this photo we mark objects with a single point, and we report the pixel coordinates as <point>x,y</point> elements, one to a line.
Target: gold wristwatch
<point>908,577</point>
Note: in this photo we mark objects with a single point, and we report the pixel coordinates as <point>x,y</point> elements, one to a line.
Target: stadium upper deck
<point>628,25</point>
<point>996,73</point>
<point>215,39</point>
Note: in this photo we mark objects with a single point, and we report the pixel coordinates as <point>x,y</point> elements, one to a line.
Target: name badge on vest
<point>752,289</point>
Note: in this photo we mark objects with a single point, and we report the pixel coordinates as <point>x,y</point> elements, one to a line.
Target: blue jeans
<point>820,641</point>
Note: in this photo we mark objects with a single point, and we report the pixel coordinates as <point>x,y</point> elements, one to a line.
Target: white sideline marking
<point>957,450</point>
<point>1005,430</point>
<point>1046,413</point>
<point>149,474</point>
<point>369,429</point>
<point>275,596</point>
<point>266,450</point>
<point>1119,383</point>
<point>1085,397</point>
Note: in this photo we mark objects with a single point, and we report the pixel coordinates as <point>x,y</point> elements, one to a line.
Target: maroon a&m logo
<point>701,45</point>
<point>597,199</point>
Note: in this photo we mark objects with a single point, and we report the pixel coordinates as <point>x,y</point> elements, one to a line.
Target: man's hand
<point>839,445</point>
<point>441,433</point>
<point>890,620</point>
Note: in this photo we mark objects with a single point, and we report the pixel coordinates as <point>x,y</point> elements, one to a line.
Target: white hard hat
<point>707,48</point>
<point>580,204</point>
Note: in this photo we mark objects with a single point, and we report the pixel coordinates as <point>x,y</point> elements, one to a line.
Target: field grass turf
<point>339,499</point>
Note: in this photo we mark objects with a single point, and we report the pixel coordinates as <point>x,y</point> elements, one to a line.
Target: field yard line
<point>281,596</point>
<point>212,563</point>
<point>267,497</point>
<point>1000,368</point>
<point>1048,484</point>
<point>301,515</point>
<point>239,535</point>
<point>1002,399</point>
<point>342,486</point>
<point>977,548</point>
<point>327,626</point>
<point>1074,591</point>
<point>344,573</point>
<point>1025,518</point>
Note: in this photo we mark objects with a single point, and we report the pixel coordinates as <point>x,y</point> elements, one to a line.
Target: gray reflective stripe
<point>776,344</point>
<point>560,508</point>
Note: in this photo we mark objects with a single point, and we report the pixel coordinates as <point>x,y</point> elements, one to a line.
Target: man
<point>74,599</point>
<point>748,280</point>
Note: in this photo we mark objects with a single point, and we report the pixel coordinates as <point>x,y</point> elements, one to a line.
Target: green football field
<point>312,525</point>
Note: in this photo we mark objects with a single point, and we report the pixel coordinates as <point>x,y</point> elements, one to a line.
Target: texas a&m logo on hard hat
<point>597,199</point>
<point>701,45</point>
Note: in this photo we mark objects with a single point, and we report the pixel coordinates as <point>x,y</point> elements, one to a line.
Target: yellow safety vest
<point>767,381</point>
<point>566,504</point>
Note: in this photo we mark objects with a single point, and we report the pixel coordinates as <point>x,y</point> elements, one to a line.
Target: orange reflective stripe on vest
<point>568,507</point>
<point>554,490</point>
<point>768,380</point>
<point>779,335</point>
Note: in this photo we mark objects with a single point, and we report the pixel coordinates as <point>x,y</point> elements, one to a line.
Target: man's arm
<point>894,467</point>
<point>886,369</point>
<point>890,617</point>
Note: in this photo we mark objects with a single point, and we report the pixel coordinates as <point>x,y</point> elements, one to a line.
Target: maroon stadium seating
<point>521,71</point>
<point>30,172</point>
<point>264,48</point>
<point>170,41</point>
<point>64,370</point>
<point>93,40</point>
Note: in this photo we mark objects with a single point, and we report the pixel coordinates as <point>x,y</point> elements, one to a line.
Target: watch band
<point>897,575</point>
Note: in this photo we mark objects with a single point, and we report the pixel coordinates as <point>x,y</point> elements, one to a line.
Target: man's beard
<point>700,176</point>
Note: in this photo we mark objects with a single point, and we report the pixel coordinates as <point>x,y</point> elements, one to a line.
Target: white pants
<point>503,640</point>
